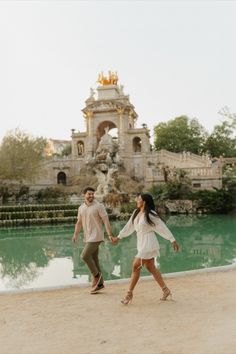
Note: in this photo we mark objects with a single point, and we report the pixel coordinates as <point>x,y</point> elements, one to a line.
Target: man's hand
<point>110,238</point>
<point>74,239</point>
<point>114,240</point>
<point>175,246</point>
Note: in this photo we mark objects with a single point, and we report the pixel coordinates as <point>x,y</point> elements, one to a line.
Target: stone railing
<point>192,172</point>
<point>182,157</point>
<point>200,171</point>
<point>62,159</point>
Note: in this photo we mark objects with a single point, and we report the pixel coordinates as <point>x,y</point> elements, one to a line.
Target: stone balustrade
<point>200,171</point>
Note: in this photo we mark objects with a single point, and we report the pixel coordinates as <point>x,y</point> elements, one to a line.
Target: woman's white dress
<point>147,243</point>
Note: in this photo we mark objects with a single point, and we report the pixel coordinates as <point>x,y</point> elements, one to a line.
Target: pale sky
<point>173,58</point>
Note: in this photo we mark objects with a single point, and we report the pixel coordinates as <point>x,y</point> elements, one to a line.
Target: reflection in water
<point>45,256</point>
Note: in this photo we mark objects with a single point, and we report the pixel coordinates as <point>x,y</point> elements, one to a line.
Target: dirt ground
<point>201,319</point>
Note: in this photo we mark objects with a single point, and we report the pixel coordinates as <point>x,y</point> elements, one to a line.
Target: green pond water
<point>43,256</point>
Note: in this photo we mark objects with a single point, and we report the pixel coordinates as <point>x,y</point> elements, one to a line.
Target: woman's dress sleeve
<point>160,228</point>
<point>128,229</point>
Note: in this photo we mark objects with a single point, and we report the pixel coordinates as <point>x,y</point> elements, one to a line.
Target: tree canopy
<point>222,141</point>
<point>20,155</point>
<point>180,134</point>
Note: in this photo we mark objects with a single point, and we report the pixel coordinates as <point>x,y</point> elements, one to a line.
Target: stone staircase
<point>37,214</point>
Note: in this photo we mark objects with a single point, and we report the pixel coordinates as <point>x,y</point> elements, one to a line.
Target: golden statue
<point>111,80</point>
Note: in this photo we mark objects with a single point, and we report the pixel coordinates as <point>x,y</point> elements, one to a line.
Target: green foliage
<point>229,171</point>
<point>170,190</point>
<point>20,155</point>
<point>13,190</point>
<point>180,134</point>
<point>66,150</point>
<point>185,134</point>
<point>214,201</point>
<point>50,193</point>
<point>229,182</point>
<point>222,141</point>
<point>128,208</point>
<point>178,186</point>
<point>24,190</point>
<point>4,193</point>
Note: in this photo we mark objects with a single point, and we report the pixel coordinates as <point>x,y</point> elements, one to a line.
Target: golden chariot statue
<point>111,80</point>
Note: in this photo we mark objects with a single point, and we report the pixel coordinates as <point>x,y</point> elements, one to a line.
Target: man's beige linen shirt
<point>92,217</point>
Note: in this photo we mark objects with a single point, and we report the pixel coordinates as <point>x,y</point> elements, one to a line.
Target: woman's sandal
<point>166,293</point>
<point>128,298</point>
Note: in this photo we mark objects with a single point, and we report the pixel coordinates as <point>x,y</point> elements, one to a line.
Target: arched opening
<point>114,133</point>
<point>107,126</point>
<point>80,147</point>
<point>137,144</point>
<point>61,178</point>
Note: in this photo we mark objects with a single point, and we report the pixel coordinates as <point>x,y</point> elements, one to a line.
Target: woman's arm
<point>128,229</point>
<point>161,228</point>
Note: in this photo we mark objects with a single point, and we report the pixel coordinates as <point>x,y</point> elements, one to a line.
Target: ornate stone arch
<point>103,125</point>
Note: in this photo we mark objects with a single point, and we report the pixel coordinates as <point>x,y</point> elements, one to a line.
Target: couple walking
<point>144,220</point>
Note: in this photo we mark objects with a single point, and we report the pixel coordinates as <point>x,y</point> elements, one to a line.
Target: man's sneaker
<point>97,288</point>
<point>96,281</point>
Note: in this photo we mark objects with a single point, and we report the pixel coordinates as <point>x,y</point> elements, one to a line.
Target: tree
<point>222,141</point>
<point>20,155</point>
<point>177,186</point>
<point>66,151</point>
<point>225,112</point>
<point>180,134</point>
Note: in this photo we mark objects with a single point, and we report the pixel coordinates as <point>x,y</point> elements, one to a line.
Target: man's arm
<point>106,222</point>
<point>78,227</point>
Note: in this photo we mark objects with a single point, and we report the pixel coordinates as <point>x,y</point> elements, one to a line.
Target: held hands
<point>175,246</point>
<point>114,240</point>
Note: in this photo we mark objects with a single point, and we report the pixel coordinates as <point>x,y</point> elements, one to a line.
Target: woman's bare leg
<point>135,273</point>
<point>133,281</point>
<point>150,265</point>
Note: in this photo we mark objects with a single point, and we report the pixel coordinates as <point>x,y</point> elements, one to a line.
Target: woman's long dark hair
<point>149,208</point>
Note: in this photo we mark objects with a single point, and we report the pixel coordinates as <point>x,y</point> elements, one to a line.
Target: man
<point>91,217</point>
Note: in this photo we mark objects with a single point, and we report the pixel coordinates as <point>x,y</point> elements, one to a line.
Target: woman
<point>146,223</point>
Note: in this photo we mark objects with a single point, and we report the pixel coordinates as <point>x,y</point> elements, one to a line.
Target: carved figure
<point>80,148</point>
<point>106,182</point>
<point>92,93</point>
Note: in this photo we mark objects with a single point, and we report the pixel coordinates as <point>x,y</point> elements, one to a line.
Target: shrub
<point>128,208</point>
<point>50,193</point>
<point>214,201</point>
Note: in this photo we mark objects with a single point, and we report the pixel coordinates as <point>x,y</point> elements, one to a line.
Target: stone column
<point>73,144</point>
<point>120,112</point>
<point>89,115</point>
